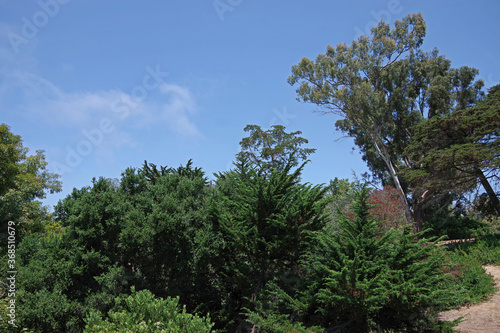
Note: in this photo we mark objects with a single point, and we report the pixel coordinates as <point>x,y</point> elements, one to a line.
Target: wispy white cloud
<point>172,107</point>
<point>178,108</point>
<point>79,124</point>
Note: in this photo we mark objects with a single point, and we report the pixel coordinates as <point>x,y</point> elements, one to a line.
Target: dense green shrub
<point>365,279</point>
<point>142,312</point>
<point>267,220</point>
<point>148,230</point>
<point>470,283</point>
<point>455,227</point>
<point>57,284</point>
<point>485,250</point>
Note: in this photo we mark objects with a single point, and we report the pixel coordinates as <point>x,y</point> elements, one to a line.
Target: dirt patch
<point>483,317</point>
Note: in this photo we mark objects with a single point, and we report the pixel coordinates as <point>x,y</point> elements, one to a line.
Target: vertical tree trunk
<point>489,190</point>
<point>392,171</point>
<point>408,213</point>
<point>418,215</point>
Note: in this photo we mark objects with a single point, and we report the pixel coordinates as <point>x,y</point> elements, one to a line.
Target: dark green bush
<point>455,227</point>
<point>366,280</point>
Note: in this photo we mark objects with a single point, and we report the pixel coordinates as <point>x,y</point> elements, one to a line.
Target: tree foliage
<point>23,179</point>
<point>142,312</point>
<point>365,278</point>
<point>166,236</point>
<point>151,233</point>
<point>461,149</point>
<point>271,149</point>
<point>381,86</point>
<point>256,251</point>
<point>266,222</point>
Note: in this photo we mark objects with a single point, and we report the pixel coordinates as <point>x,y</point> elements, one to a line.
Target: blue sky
<point>104,85</point>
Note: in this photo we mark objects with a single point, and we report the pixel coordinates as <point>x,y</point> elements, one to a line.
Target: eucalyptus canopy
<point>380,87</point>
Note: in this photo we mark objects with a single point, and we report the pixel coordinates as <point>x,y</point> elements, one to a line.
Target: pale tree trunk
<point>384,154</point>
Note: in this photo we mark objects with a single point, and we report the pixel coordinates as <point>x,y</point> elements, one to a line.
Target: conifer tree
<point>367,279</point>
<point>266,221</point>
<point>354,269</point>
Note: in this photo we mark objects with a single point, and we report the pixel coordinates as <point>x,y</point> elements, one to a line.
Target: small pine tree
<point>366,279</point>
<point>354,268</point>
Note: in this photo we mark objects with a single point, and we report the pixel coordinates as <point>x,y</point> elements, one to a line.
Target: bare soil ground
<point>483,317</point>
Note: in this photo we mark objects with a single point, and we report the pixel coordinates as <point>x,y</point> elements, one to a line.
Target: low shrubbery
<point>469,282</point>
<point>485,250</point>
<point>455,227</point>
<point>464,262</point>
<point>142,312</point>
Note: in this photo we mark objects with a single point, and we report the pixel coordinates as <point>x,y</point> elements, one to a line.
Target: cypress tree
<point>366,279</point>
<point>266,220</point>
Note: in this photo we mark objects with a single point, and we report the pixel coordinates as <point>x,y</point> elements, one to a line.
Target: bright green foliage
<point>415,271</point>
<point>267,221</point>
<point>142,312</point>
<point>271,149</point>
<point>469,284</point>
<point>23,179</point>
<point>365,279</point>
<point>381,86</point>
<point>354,269</point>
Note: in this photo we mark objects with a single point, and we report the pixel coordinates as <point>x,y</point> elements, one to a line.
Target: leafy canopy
<point>271,149</point>
<point>23,179</point>
<point>381,86</point>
